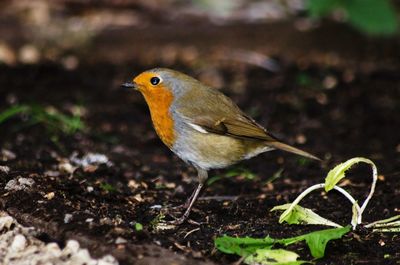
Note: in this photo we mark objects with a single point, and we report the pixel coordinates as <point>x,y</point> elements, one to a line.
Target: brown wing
<point>246,128</point>
<point>216,113</point>
<point>240,127</point>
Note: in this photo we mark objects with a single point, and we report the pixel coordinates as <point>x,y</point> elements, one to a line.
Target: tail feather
<point>291,149</point>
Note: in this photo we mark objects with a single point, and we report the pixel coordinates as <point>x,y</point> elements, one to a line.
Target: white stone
<point>4,169</point>
<point>120,240</point>
<point>68,218</point>
<point>5,222</point>
<point>19,243</point>
<point>72,245</point>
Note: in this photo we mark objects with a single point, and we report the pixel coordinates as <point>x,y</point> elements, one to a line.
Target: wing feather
<point>240,127</point>
<point>213,112</point>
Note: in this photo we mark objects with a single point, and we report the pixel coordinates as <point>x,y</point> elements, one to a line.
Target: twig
<point>219,198</point>
<point>191,231</point>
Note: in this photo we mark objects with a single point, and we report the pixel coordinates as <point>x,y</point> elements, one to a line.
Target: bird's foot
<point>176,214</point>
<point>163,224</point>
<point>181,207</point>
<point>167,225</point>
<point>171,211</point>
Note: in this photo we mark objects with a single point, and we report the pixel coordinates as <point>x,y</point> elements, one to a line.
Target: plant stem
<point>374,180</point>
<point>321,186</point>
<point>384,221</point>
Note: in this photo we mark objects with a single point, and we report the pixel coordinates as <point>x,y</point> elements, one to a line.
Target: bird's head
<point>159,81</point>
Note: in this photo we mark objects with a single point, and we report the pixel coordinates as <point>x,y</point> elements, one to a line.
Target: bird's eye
<point>155,81</point>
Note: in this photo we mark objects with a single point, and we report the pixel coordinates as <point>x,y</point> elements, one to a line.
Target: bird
<point>201,125</point>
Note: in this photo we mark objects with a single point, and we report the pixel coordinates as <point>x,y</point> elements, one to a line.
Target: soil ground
<point>99,206</point>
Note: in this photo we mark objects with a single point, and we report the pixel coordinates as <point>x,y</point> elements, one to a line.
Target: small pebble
<point>138,197</point>
<point>52,173</point>
<point>7,155</point>
<point>70,62</point>
<point>170,185</point>
<point>120,240</point>
<point>4,169</point>
<point>49,195</point>
<point>301,139</point>
<point>329,82</point>
<point>26,182</point>
<point>133,184</point>
<point>66,167</point>
<point>19,246</point>
<point>68,218</point>
<point>19,243</point>
<point>90,159</point>
<point>322,98</point>
<point>54,249</point>
<point>82,256</point>
<point>5,222</point>
<point>29,54</point>
<point>106,221</point>
<point>107,260</point>
<point>72,245</point>
<point>20,184</point>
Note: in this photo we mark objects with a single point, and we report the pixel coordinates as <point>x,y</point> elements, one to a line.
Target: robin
<point>201,125</point>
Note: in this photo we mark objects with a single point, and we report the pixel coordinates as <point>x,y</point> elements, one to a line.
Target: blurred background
<point>171,31</point>
<point>321,74</point>
<point>69,57</point>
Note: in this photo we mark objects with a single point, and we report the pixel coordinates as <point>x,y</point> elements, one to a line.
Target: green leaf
<point>12,111</point>
<point>107,187</point>
<point>236,171</point>
<point>274,257</point>
<point>214,179</point>
<point>247,246</point>
<point>244,246</point>
<point>318,240</point>
<point>55,120</point>
<point>338,173</point>
<point>138,227</point>
<point>375,17</point>
<point>275,176</point>
<point>372,16</point>
<point>51,118</point>
<point>301,215</point>
<point>319,8</point>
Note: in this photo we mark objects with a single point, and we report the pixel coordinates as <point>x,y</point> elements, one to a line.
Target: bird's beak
<point>129,85</point>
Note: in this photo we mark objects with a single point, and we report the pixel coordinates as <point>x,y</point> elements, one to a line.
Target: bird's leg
<point>202,176</point>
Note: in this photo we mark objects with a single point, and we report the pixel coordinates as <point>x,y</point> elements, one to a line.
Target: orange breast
<point>159,103</point>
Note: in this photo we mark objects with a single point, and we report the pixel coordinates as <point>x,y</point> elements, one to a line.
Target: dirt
<point>333,112</point>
